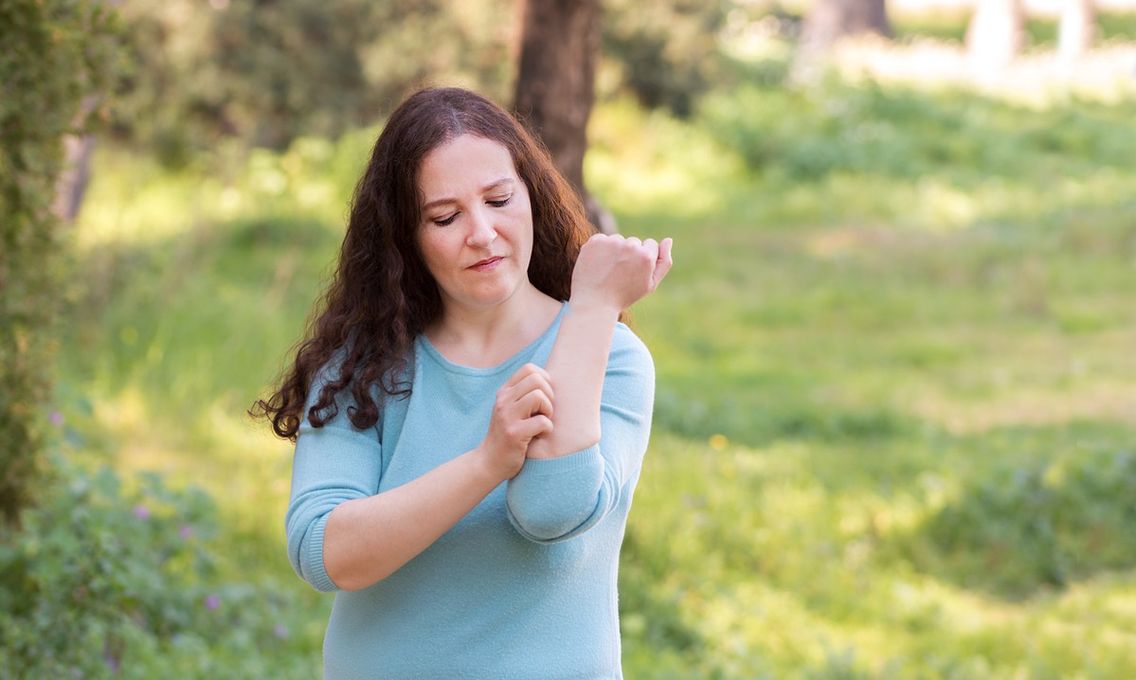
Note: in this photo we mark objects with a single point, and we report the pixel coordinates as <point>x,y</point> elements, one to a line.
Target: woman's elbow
<point>309,572</point>
<point>352,580</point>
<point>349,566</point>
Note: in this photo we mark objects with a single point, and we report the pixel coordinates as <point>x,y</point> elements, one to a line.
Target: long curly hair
<point>382,296</point>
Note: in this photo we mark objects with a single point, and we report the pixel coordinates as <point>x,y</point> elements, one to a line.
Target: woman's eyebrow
<point>488,187</point>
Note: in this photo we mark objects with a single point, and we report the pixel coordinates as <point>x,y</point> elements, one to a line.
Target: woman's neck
<point>488,336</point>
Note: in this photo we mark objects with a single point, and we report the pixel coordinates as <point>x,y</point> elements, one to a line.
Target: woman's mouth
<point>488,264</point>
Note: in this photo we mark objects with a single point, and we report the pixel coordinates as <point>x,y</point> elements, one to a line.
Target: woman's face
<point>476,233</point>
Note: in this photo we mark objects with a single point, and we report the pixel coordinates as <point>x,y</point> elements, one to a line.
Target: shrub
<point>107,580</point>
<point>1039,525</point>
<point>806,134</point>
<point>55,52</point>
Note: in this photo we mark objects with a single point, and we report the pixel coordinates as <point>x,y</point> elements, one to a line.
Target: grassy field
<point>895,432</point>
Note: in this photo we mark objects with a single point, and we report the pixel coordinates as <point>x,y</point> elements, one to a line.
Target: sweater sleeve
<point>555,499</point>
<point>331,464</point>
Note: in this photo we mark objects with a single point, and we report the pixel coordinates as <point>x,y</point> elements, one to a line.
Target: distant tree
<point>830,20</point>
<point>55,53</point>
<point>267,71</point>
<point>1077,28</point>
<point>555,87</point>
<point>996,33</point>
<point>666,53</point>
<point>77,149</point>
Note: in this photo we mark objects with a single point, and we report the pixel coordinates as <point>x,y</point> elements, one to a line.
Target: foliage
<point>809,133</point>
<point>1044,523</point>
<point>55,53</point>
<point>267,72</point>
<point>667,52</point>
<point>113,580</point>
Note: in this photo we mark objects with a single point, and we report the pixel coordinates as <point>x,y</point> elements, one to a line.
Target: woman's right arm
<point>342,535</point>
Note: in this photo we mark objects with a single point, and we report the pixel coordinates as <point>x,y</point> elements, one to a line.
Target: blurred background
<point>895,428</point>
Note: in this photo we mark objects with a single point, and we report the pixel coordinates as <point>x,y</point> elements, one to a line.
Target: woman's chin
<point>487,298</point>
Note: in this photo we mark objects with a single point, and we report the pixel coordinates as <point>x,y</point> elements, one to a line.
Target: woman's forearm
<point>577,365</point>
<point>368,539</point>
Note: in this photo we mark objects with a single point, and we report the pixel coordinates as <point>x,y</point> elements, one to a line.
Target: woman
<point>467,443</point>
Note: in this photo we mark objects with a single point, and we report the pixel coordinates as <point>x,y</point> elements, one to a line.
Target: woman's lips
<point>487,264</point>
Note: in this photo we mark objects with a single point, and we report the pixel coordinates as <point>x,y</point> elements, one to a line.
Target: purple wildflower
<point>184,532</point>
<point>56,418</point>
<point>212,602</point>
<point>141,511</point>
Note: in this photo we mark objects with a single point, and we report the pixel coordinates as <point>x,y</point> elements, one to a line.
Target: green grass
<point>895,425</point>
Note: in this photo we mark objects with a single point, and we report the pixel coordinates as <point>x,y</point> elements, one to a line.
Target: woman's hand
<point>616,272</point>
<point>522,411</point>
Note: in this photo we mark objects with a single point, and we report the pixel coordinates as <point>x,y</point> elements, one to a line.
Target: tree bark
<point>1077,29</point>
<point>555,87</point>
<point>996,33</point>
<point>830,20</point>
<point>72,185</point>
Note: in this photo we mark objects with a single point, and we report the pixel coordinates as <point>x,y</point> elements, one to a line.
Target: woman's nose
<point>481,232</point>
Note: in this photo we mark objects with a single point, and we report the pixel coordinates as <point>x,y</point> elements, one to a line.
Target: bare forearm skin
<point>576,365</point>
<point>368,539</point>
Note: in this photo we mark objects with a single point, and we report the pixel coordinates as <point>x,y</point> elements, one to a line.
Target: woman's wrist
<point>593,306</point>
<point>487,466</point>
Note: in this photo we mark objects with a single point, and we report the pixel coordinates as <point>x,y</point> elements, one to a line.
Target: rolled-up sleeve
<point>555,499</point>
<point>331,464</point>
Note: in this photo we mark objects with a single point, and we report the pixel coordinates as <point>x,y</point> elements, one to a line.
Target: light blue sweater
<point>524,586</point>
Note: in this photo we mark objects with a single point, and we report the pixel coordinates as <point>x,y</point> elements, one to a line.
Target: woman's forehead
<point>464,164</point>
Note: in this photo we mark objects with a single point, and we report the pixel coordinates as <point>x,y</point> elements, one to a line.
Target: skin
<point>476,239</point>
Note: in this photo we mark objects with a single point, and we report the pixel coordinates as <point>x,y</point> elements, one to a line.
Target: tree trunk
<point>76,175</point>
<point>996,33</point>
<point>831,20</point>
<point>1077,29</point>
<point>555,87</point>
<point>72,182</point>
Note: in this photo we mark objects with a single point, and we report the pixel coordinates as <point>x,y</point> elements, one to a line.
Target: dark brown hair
<point>382,295</point>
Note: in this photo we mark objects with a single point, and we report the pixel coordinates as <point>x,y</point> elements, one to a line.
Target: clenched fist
<point>616,271</point>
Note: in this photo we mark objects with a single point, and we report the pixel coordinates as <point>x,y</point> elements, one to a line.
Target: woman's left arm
<point>604,381</point>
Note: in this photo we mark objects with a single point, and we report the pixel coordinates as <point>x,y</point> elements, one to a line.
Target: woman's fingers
<point>523,373</point>
<point>531,428</point>
<point>532,381</point>
<point>619,271</point>
<point>534,403</point>
<point>663,262</point>
<point>651,248</point>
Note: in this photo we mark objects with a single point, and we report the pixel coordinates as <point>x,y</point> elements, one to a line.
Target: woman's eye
<point>500,203</point>
<point>446,221</point>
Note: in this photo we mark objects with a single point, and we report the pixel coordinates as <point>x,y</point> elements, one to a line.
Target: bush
<point>104,580</point>
<point>55,52</point>
<point>806,134</point>
<point>1040,525</point>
